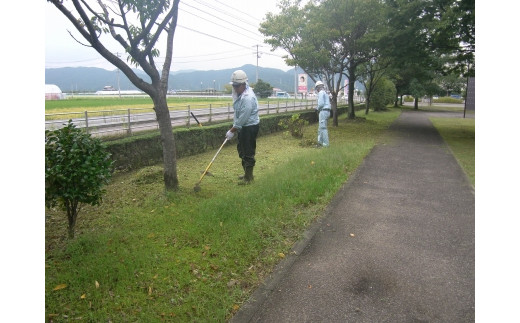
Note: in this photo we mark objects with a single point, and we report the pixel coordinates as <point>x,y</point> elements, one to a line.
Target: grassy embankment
<point>459,134</point>
<point>147,256</point>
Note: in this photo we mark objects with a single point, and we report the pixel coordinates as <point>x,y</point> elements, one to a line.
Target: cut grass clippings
<point>459,134</point>
<point>147,256</point>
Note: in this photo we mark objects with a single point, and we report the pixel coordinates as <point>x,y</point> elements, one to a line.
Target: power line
<point>233,30</point>
<point>226,13</point>
<point>77,61</point>
<point>214,56</point>
<point>211,59</point>
<point>210,54</point>
<point>224,40</point>
<point>103,60</point>
<point>271,54</point>
<point>175,58</point>
<point>256,34</point>
<point>240,27</point>
<point>242,12</point>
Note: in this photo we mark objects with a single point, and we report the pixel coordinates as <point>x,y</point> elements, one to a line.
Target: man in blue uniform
<point>323,109</point>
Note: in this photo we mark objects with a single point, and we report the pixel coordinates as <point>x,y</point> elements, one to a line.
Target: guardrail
<point>131,120</point>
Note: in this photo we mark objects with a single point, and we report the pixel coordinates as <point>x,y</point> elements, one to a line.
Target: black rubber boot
<point>241,177</point>
<point>248,177</point>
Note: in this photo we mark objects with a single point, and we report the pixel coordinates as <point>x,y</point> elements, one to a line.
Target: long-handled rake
<point>196,188</point>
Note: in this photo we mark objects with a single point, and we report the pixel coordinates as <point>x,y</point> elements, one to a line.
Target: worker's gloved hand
<point>229,135</point>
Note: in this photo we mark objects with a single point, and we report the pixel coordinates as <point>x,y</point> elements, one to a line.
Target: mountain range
<point>91,79</point>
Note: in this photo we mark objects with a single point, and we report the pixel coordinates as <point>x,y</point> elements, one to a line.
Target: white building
<point>53,92</point>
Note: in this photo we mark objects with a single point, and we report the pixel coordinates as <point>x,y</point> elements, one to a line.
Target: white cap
<point>238,77</point>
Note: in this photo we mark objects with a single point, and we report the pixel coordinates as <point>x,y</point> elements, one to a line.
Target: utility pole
<point>257,57</point>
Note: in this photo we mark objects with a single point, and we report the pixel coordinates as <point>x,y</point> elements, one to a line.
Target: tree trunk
<point>367,105</point>
<point>416,104</point>
<point>171,181</point>
<point>351,81</point>
<point>334,107</point>
<point>72,215</point>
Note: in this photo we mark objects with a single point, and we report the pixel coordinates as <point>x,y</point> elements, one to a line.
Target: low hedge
<point>146,150</point>
<point>447,99</point>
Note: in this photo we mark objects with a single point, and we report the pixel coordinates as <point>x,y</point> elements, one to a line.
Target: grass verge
<point>147,256</point>
<point>459,134</point>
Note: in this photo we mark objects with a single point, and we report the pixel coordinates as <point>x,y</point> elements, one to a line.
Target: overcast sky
<point>210,35</point>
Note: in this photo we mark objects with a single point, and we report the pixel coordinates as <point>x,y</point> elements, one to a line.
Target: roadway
<point>117,121</point>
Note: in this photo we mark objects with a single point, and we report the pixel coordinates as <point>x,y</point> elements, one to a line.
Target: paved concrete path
<point>397,243</point>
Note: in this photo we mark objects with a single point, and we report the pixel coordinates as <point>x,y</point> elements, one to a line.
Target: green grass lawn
<point>144,255</point>
<point>82,104</point>
<point>459,134</point>
<point>91,104</point>
<point>147,256</point>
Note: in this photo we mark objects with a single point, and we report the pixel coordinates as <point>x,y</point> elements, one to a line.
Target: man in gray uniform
<point>245,123</point>
<point>323,109</point>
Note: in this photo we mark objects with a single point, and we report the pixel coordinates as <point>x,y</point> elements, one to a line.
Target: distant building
<point>53,92</point>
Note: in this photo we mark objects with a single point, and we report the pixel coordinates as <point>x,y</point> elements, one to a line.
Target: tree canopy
<point>327,39</point>
<point>334,38</point>
<point>262,89</point>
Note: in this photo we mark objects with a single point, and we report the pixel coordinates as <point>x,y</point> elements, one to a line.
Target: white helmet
<point>319,83</point>
<point>238,77</point>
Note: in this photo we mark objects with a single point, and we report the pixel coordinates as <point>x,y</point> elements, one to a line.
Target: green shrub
<point>294,124</point>
<point>447,99</point>
<point>383,94</point>
<point>76,169</point>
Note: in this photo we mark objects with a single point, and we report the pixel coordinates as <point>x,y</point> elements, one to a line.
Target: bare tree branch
<point>111,26</point>
<point>71,35</point>
<point>169,47</point>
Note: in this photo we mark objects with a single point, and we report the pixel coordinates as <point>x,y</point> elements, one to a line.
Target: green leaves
<point>76,169</point>
<point>295,125</point>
